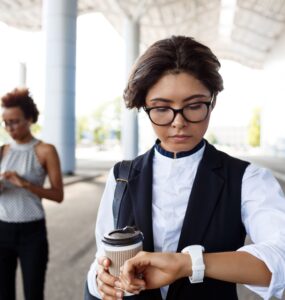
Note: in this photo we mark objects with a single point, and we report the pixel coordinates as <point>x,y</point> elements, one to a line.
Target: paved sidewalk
<point>71,231</point>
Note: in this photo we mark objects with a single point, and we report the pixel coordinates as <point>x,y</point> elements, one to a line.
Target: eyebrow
<point>184,100</point>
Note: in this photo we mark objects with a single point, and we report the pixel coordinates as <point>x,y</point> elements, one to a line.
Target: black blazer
<point>212,217</point>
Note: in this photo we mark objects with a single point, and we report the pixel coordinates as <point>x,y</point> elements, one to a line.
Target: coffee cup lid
<point>123,236</point>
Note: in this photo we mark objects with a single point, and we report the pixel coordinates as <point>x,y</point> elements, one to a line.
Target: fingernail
<point>117,284</point>
<point>119,295</point>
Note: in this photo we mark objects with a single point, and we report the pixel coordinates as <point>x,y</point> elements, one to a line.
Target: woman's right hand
<point>106,282</point>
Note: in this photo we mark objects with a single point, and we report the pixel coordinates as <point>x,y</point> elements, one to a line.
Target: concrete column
<point>273,134</point>
<point>59,24</point>
<point>22,74</point>
<point>130,119</point>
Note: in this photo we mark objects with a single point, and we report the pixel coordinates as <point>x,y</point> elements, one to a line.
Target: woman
<point>25,162</point>
<point>184,195</point>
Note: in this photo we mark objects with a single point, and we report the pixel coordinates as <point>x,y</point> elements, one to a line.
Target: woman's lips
<point>180,138</point>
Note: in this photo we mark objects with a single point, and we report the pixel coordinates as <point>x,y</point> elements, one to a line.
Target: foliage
<point>36,129</point>
<point>254,129</point>
<point>102,125</point>
<point>81,127</point>
<point>211,138</point>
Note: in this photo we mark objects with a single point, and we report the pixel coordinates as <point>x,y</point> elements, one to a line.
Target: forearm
<point>238,267</point>
<point>54,194</point>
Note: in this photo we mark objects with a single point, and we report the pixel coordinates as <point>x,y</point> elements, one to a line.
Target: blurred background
<point>247,36</point>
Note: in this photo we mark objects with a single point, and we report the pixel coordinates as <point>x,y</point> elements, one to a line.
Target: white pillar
<point>22,74</point>
<point>273,134</point>
<point>59,24</point>
<point>130,118</point>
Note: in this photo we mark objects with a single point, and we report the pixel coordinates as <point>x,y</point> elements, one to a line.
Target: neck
<point>24,140</point>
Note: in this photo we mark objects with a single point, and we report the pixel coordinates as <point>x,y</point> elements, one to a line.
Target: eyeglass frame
<point>12,123</point>
<point>180,111</point>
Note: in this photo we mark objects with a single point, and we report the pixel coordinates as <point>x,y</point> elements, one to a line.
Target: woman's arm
<point>160,269</point>
<point>48,156</point>
<point>238,267</point>
<point>100,282</point>
<point>52,166</point>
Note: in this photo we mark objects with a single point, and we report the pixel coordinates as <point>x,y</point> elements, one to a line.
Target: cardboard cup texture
<point>120,245</point>
<point>118,255</point>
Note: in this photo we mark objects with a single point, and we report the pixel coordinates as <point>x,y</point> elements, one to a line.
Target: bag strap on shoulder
<point>1,151</point>
<point>122,181</point>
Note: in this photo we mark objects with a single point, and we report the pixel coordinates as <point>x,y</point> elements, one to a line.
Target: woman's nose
<point>179,121</point>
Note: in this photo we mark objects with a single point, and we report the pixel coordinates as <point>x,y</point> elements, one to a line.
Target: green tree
<point>254,129</point>
<point>107,119</point>
<point>211,138</point>
<point>36,128</point>
<point>81,127</point>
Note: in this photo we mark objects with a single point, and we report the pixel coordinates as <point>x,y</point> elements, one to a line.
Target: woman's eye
<point>161,109</point>
<point>194,106</point>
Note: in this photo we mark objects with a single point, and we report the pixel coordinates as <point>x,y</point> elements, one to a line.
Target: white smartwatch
<point>198,267</point>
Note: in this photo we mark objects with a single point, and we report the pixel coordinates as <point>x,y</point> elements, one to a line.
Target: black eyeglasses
<point>13,123</point>
<point>164,115</point>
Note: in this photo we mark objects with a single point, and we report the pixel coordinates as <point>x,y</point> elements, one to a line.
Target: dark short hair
<point>172,56</point>
<point>20,97</point>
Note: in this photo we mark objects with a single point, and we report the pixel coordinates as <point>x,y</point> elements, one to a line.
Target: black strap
<point>122,181</point>
<point>1,152</point>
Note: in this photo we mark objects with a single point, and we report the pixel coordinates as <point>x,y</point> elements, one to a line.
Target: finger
<point>101,259</point>
<point>132,278</point>
<point>109,292</point>
<point>106,278</point>
<point>134,289</point>
<point>104,261</point>
<point>130,270</point>
<point>134,284</point>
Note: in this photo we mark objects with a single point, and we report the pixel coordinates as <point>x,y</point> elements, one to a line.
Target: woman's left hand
<point>14,178</point>
<point>157,270</point>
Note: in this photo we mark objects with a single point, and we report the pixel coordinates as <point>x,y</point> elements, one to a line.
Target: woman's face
<point>177,91</point>
<point>15,123</point>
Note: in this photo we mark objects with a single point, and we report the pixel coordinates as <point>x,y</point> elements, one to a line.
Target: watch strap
<point>198,266</point>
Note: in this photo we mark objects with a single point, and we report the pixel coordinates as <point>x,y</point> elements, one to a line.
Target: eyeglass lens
<point>195,112</point>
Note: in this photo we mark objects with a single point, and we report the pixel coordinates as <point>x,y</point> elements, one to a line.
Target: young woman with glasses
<point>186,196</point>
<point>25,163</point>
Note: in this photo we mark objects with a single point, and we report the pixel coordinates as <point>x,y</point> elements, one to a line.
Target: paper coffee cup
<point>120,245</point>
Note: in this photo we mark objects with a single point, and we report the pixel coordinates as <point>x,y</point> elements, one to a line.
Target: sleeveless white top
<point>18,204</point>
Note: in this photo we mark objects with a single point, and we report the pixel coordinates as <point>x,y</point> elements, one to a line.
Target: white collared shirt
<point>263,215</point>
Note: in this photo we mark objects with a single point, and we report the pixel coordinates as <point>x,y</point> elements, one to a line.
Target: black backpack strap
<point>122,181</point>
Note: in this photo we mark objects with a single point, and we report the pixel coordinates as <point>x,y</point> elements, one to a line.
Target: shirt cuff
<point>274,263</point>
<point>91,280</point>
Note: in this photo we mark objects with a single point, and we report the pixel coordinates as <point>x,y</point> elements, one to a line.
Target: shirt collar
<point>179,154</point>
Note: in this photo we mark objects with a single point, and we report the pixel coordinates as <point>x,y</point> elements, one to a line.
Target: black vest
<point>212,217</point>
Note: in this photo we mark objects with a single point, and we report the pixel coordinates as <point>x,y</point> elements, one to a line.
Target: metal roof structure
<point>242,30</point>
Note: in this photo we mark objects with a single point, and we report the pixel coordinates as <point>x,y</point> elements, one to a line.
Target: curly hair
<point>172,56</point>
<point>21,97</point>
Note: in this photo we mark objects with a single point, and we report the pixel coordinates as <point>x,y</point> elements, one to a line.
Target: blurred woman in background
<point>25,163</point>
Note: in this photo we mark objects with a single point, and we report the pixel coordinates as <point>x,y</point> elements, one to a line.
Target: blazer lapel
<point>204,196</point>
<point>205,193</point>
<point>140,188</point>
